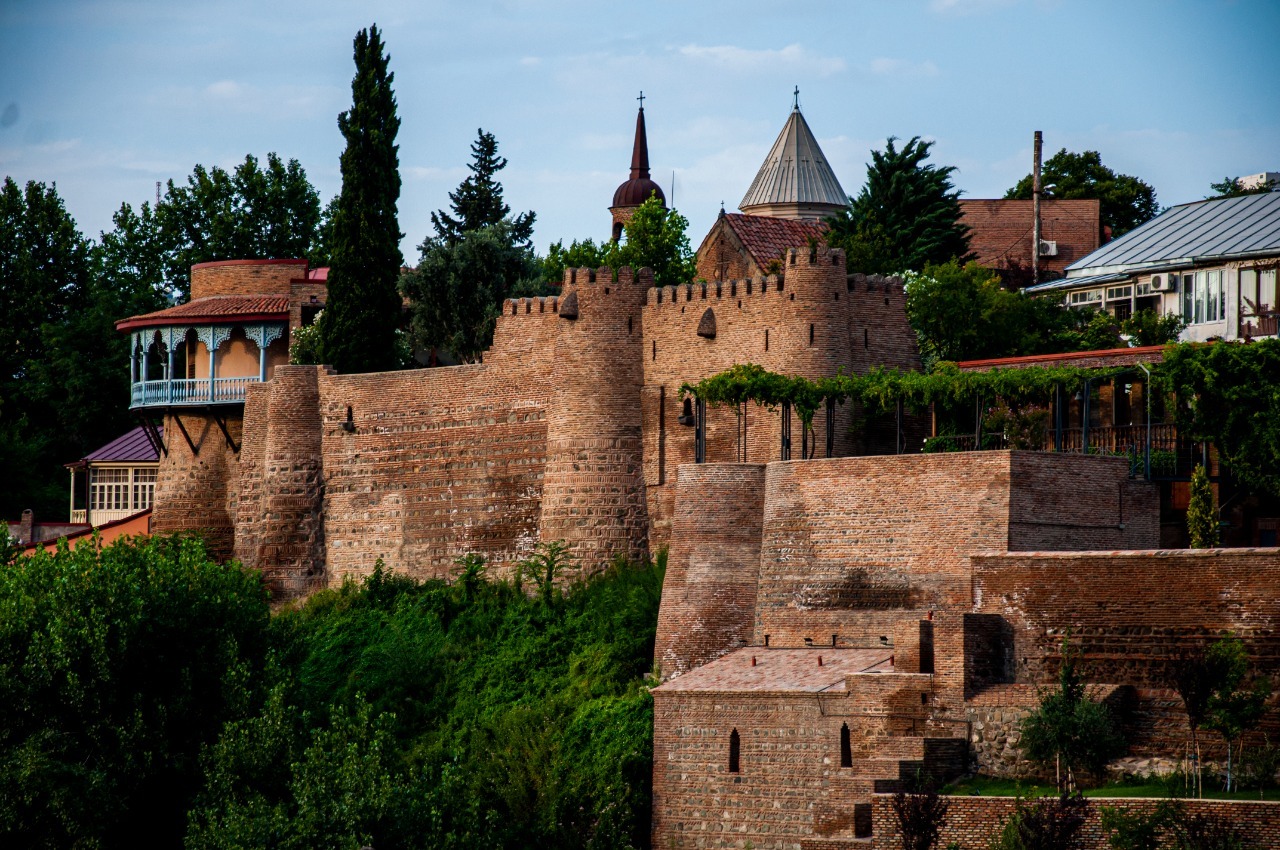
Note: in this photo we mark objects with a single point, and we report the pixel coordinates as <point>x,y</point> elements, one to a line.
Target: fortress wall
<point>280,524</point>
<point>1048,511</point>
<point>709,592</point>
<point>746,312</point>
<point>197,490</point>
<point>593,494</point>
<point>879,333</point>
<point>245,277</point>
<point>1129,612</point>
<point>441,462</point>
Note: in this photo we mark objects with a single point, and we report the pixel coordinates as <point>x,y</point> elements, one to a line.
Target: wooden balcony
<point>192,392</point>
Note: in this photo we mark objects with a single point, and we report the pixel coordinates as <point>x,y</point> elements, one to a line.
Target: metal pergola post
<point>700,431</point>
<point>1084,416</point>
<point>831,427</point>
<point>786,430</point>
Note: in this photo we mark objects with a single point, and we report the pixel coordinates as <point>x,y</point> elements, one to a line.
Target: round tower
<point>593,490</point>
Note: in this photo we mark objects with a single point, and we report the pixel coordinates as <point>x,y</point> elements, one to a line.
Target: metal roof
<point>1075,282</point>
<point>795,171</point>
<point>1221,229</point>
<point>132,446</point>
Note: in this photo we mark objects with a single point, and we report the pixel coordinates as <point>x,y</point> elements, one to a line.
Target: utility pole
<point>1035,210</point>
<point>157,195</point>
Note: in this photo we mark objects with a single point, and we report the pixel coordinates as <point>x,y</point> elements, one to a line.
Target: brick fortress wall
<point>540,441</point>
<point>813,320</point>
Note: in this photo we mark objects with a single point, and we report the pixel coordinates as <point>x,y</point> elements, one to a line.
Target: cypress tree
<point>358,326</point>
<point>1202,514</point>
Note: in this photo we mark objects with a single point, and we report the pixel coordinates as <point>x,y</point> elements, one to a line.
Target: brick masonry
<point>973,822</point>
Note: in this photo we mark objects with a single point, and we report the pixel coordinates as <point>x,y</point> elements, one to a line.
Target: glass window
<point>144,488</point>
<point>1188,299</point>
<point>1267,289</point>
<point>1117,292</point>
<point>1087,297</point>
<point>1215,306</point>
<point>109,490</point>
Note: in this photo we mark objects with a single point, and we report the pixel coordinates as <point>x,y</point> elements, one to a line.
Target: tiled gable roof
<point>768,238</point>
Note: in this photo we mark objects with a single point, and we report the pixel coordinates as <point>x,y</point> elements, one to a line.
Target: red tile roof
<point>215,308</point>
<point>782,670</point>
<point>768,238</point>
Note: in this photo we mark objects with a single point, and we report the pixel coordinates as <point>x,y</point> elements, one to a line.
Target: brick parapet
<point>245,277</point>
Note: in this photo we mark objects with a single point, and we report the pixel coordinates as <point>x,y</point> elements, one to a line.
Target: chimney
<point>27,529</point>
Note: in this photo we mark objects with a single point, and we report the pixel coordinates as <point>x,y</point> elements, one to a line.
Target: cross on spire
<point>795,105</point>
<point>641,99</point>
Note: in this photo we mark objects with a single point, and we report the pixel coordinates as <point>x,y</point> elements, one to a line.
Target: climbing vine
<point>1228,394</point>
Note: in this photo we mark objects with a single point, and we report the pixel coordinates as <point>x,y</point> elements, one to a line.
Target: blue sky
<point>107,97</point>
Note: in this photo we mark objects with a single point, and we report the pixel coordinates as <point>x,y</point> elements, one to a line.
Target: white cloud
<point>792,57</point>
<point>885,66</point>
<point>225,90</point>
<point>431,172</point>
<point>531,61</point>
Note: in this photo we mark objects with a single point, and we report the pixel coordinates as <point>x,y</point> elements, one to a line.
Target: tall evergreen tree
<point>906,216</point>
<point>358,326</point>
<point>477,202</point>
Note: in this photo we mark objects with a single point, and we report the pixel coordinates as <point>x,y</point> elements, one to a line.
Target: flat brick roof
<point>777,670</point>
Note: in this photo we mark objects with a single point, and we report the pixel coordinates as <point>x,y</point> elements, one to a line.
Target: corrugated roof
<point>795,171</point>
<point>131,447</point>
<point>1219,229</point>
<point>768,238</point>
<point>1075,282</point>
<point>213,308</point>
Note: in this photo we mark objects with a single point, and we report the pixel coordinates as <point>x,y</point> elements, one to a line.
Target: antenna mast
<point>1035,209</point>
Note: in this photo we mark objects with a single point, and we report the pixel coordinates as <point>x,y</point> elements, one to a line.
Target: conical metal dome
<point>795,180</point>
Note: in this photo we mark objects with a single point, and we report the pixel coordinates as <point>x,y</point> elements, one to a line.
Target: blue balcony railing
<point>191,391</point>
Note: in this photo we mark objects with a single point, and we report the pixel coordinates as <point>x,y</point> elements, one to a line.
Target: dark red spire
<point>640,152</point>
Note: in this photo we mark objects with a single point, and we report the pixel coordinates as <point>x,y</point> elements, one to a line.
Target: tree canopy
<point>1231,187</point>
<point>1125,201</point>
<point>906,216</point>
<point>655,237</point>
<point>362,314</point>
<point>477,202</point>
<point>479,256</point>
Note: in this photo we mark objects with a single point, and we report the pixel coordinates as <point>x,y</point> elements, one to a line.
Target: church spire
<point>640,150</point>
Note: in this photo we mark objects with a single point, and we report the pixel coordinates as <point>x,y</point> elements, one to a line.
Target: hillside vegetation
<point>146,694</point>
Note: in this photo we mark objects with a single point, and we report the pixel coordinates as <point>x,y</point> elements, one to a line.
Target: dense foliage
<point>1230,394</point>
<point>477,202</point>
<point>358,329</point>
<point>906,216</point>
<point>655,237</point>
<point>116,666</point>
<point>1202,511</point>
<point>146,694</point>
<point>1231,187</point>
<point>478,257</point>
<point>1048,823</point>
<point>1125,201</point>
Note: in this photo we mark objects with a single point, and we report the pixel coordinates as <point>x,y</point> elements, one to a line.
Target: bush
<point>117,665</point>
<point>1050,823</point>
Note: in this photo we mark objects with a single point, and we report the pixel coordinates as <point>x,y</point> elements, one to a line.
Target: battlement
<point>623,276</point>
<point>816,255</point>
<point>888,285</point>
<point>528,306</point>
<point>715,290</point>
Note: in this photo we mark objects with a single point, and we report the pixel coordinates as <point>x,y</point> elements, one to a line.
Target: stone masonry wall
<point>196,484</point>
<point>1130,612</point>
<point>709,591</point>
<point>972,822</point>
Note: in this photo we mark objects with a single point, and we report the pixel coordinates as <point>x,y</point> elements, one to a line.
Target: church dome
<point>636,190</point>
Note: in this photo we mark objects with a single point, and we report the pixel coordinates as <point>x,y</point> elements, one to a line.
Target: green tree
<point>1230,187</point>
<point>249,213</point>
<point>1069,729</point>
<point>477,202</point>
<point>1125,202</point>
<point>46,281</point>
<point>1148,327</point>
<point>358,328</point>
<point>579,255</point>
<point>1236,706</point>
<point>456,292</point>
<point>1049,823</point>
<point>920,815</point>
<point>1202,511</point>
<point>1231,398</point>
<point>906,216</point>
<point>657,238</point>
<point>117,664</point>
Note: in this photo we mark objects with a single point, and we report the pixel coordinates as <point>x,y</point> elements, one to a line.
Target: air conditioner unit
<point>1048,248</point>
<point>1164,282</point>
